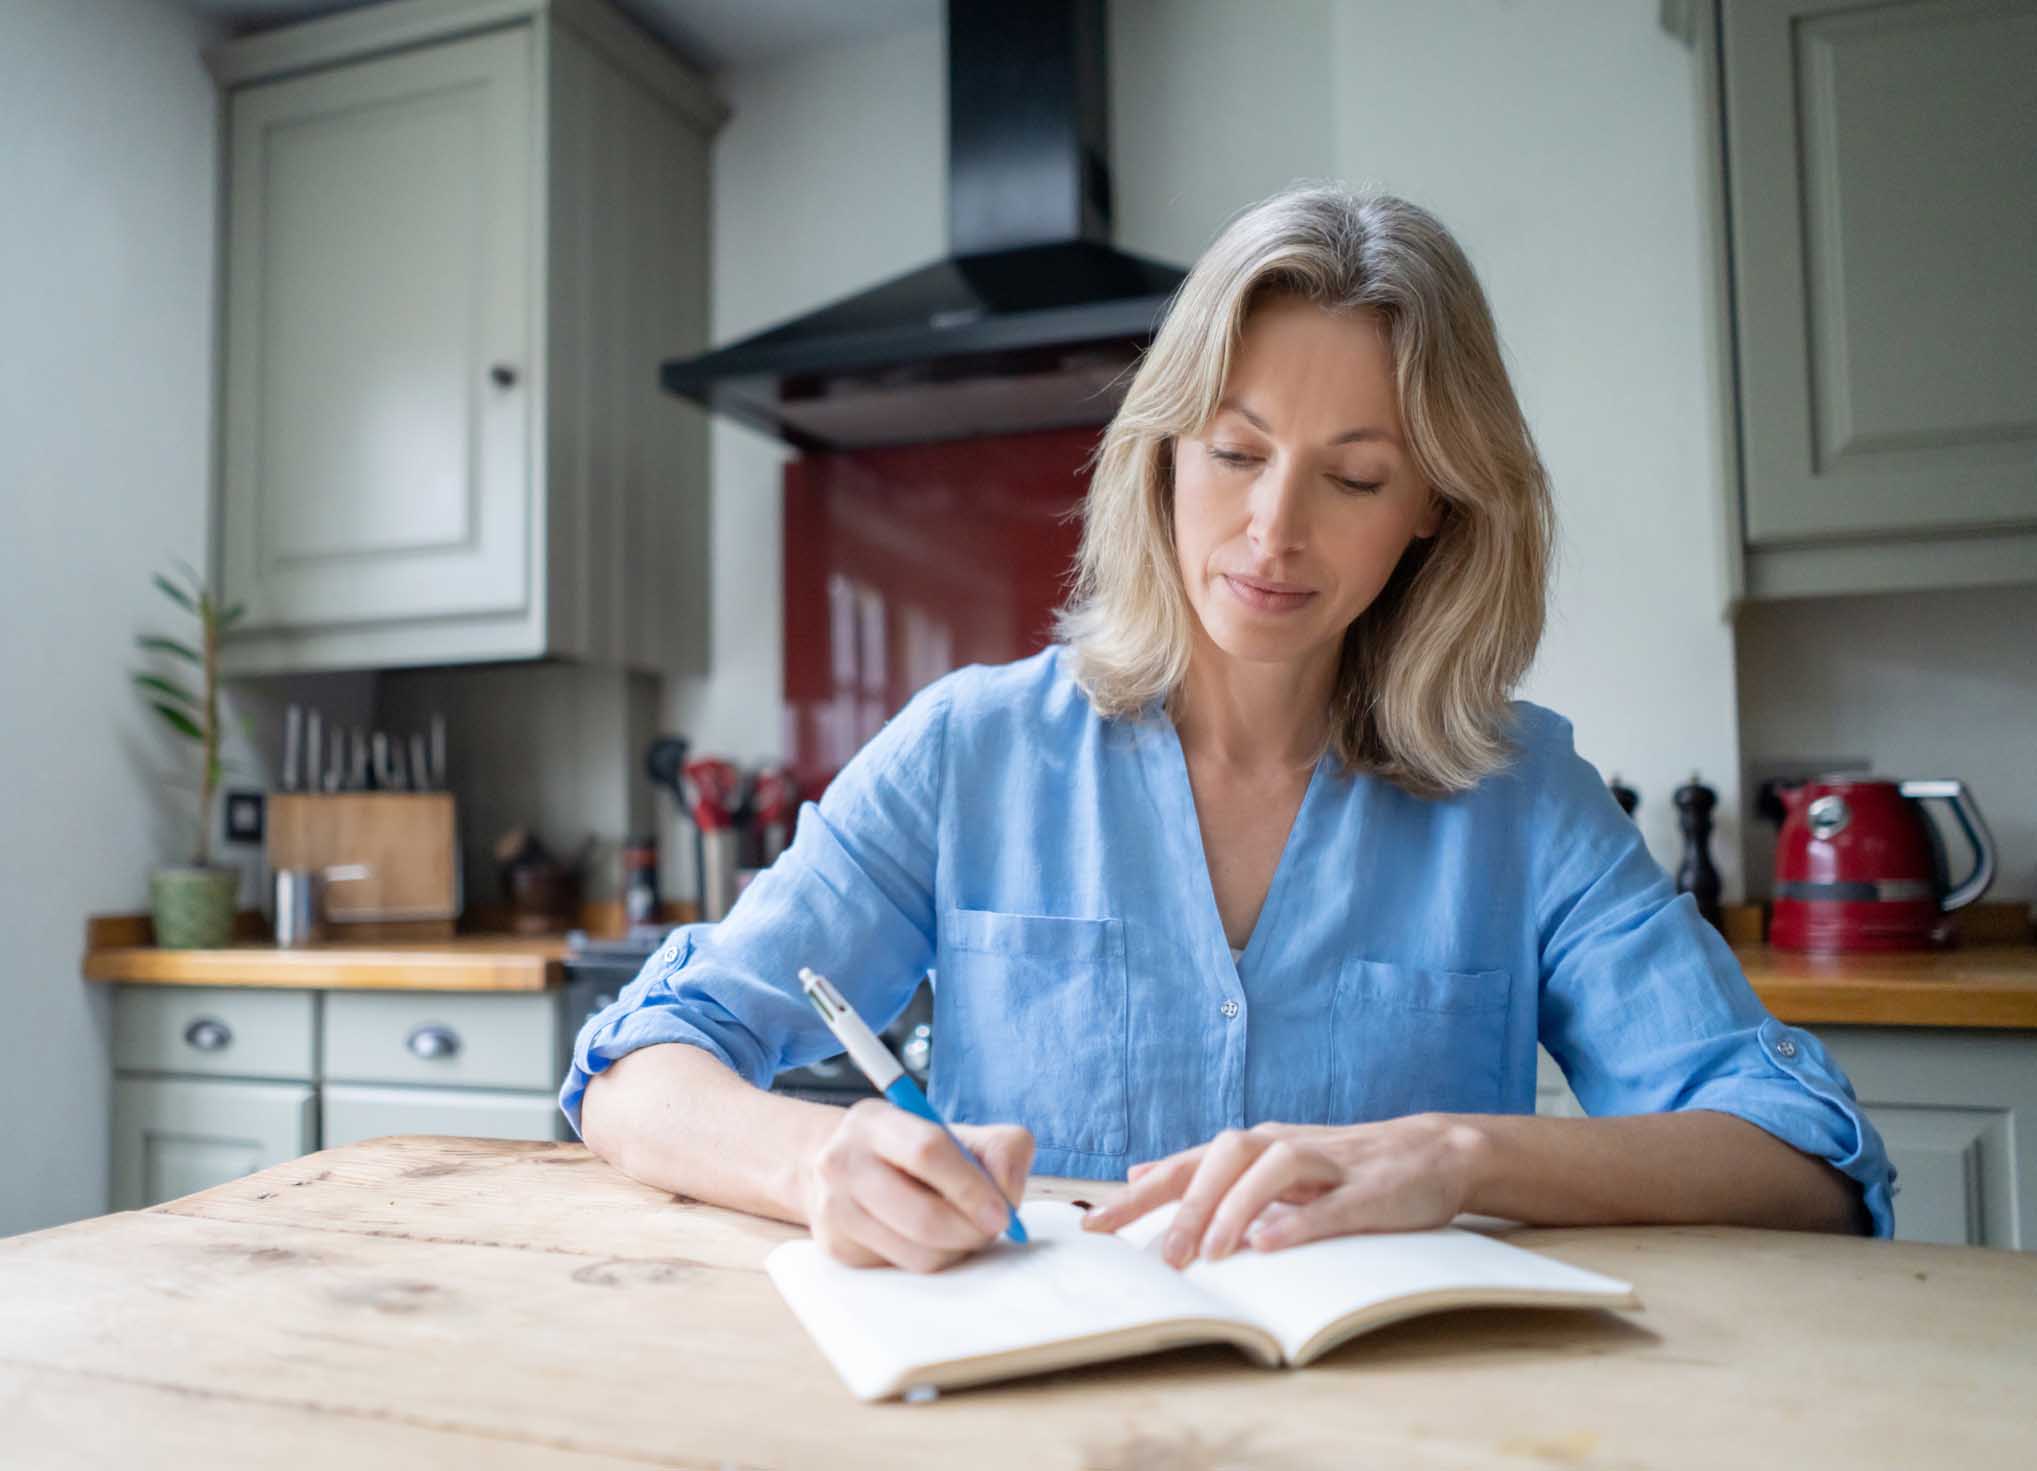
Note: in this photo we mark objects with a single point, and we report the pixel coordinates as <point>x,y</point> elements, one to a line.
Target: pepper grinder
<point>1625,795</point>
<point>1695,875</point>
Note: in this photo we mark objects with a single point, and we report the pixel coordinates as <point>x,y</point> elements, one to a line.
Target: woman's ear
<point>1432,516</point>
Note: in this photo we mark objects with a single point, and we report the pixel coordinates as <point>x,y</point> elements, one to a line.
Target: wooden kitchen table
<point>462,1302</point>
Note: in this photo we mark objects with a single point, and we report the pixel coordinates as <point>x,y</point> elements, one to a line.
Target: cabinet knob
<point>433,1040</point>
<point>207,1034</point>
<point>504,375</point>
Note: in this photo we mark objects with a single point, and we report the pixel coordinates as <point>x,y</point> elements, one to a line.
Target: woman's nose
<point>1276,509</point>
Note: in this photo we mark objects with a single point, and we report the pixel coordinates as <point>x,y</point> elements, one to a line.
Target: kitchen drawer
<point>353,1112</point>
<point>228,1031</point>
<point>505,1040</point>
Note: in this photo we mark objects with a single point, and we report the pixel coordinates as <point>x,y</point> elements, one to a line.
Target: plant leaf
<point>179,721</point>
<point>175,593</point>
<point>190,572</point>
<point>166,687</point>
<point>232,615</point>
<point>160,645</point>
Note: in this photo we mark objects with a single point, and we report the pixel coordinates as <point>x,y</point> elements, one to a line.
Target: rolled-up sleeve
<point>1645,1007</point>
<point>852,897</point>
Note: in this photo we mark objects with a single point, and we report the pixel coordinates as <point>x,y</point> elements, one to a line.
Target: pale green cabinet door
<point>174,1136</point>
<point>1552,1090</point>
<point>379,330</point>
<point>1954,1175</point>
<point>1883,176</point>
<point>1958,1112</point>
<point>356,1111</point>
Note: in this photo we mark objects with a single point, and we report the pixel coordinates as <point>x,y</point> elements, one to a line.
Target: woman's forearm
<point>675,1117</point>
<point>1697,1165</point>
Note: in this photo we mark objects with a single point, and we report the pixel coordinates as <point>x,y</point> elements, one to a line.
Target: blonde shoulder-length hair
<point>1427,670</point>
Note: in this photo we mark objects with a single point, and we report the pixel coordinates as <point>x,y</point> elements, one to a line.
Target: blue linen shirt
<point>1046,864</point>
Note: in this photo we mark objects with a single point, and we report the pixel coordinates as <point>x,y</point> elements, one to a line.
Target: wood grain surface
<point>444,1302</point>
<point>464,963</point>
<point>1981,985</point>
<point>121,948</point>
<point>1985,985</point>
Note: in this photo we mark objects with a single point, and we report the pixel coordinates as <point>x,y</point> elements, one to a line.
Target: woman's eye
<point>1238,459</point>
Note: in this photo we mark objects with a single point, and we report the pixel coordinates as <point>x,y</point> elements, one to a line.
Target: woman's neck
<point>1252,715</point>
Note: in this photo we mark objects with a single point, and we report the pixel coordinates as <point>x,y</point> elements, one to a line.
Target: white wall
<point>827,178</point>
<point>1926,684</point>
<point>106,243</point>
<point>1558,142</point>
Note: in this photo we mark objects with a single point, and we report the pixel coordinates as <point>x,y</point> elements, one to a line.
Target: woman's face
<point>1293,504</point>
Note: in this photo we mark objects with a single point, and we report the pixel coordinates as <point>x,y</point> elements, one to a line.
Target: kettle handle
<point>1976,883</point>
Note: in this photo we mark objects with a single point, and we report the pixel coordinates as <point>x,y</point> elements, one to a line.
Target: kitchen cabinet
<point>1957,1109</point>
<point>173,1136</point>
<point>1552,1090</point>
<point>1958,1112</point>
<point>458,241</point>
<point>211,1083</point>
<point>1881,203</point>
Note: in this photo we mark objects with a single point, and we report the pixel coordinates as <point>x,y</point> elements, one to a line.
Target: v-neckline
<point>1168,741</point>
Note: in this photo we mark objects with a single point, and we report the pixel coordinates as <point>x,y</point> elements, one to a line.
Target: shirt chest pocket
<point>1031,1023</point>
<point>1409,1040</point>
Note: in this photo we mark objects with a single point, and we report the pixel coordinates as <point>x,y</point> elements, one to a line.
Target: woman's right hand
<point>889,1188</point>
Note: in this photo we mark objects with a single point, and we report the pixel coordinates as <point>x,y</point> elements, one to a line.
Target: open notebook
<point>1078,1297</point>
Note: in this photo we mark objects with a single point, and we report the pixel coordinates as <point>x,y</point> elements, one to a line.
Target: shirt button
<point>1229,1009</point>
<point>1786,1047</point>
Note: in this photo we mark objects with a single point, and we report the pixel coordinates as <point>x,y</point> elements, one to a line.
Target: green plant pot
<point>193,907</point>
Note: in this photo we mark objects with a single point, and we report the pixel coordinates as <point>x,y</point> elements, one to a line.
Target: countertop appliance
<point>598,969</point>
<point>1859,865</point>
<point>1032,318</point>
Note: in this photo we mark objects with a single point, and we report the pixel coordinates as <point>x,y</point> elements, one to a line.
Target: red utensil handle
<point>712,785</point>
<point>775,795</point>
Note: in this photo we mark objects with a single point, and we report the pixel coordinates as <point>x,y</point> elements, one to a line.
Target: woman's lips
<point>1263,598</point>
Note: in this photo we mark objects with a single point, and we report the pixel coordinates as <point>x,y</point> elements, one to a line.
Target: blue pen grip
<point>906,1094</point>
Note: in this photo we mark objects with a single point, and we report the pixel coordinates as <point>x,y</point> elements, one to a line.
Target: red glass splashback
<point>901,564</point>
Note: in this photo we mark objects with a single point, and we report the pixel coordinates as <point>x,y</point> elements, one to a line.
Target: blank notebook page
<point>1068,1283</point>
<point>1297,1291</point>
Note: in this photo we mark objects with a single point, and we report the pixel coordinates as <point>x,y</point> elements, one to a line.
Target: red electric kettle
<point>1859,866</point>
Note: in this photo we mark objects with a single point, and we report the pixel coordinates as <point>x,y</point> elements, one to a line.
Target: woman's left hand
<point>1276,1185</point>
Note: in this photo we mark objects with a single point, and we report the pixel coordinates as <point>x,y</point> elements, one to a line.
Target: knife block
<point>407,841</point>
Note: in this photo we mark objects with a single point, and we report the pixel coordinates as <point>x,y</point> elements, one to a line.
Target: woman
<point>1257,885</point>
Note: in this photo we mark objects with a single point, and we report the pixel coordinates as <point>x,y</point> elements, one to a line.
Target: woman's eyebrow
<point>1349,436</point>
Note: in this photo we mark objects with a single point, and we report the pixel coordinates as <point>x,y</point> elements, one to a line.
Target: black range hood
<point>1032,319</point>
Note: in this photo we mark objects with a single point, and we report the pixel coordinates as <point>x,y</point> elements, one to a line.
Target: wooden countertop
<point>464,963</point>
<point>1979,985</point>
<point>119,947</point>
<point>1988,984</point>
<point>463,1302</point>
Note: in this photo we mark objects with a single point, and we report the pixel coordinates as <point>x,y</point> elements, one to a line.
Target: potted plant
<point>192,905</point>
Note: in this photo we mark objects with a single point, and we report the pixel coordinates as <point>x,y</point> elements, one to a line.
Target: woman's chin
<point>1254,642</point>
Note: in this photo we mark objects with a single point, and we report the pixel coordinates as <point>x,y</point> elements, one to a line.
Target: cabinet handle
<point>432,1041</point>
<point>504,375</point>
<point>208,1035</point>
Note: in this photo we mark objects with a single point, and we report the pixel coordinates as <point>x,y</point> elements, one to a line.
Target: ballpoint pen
<point>888,1076</point>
